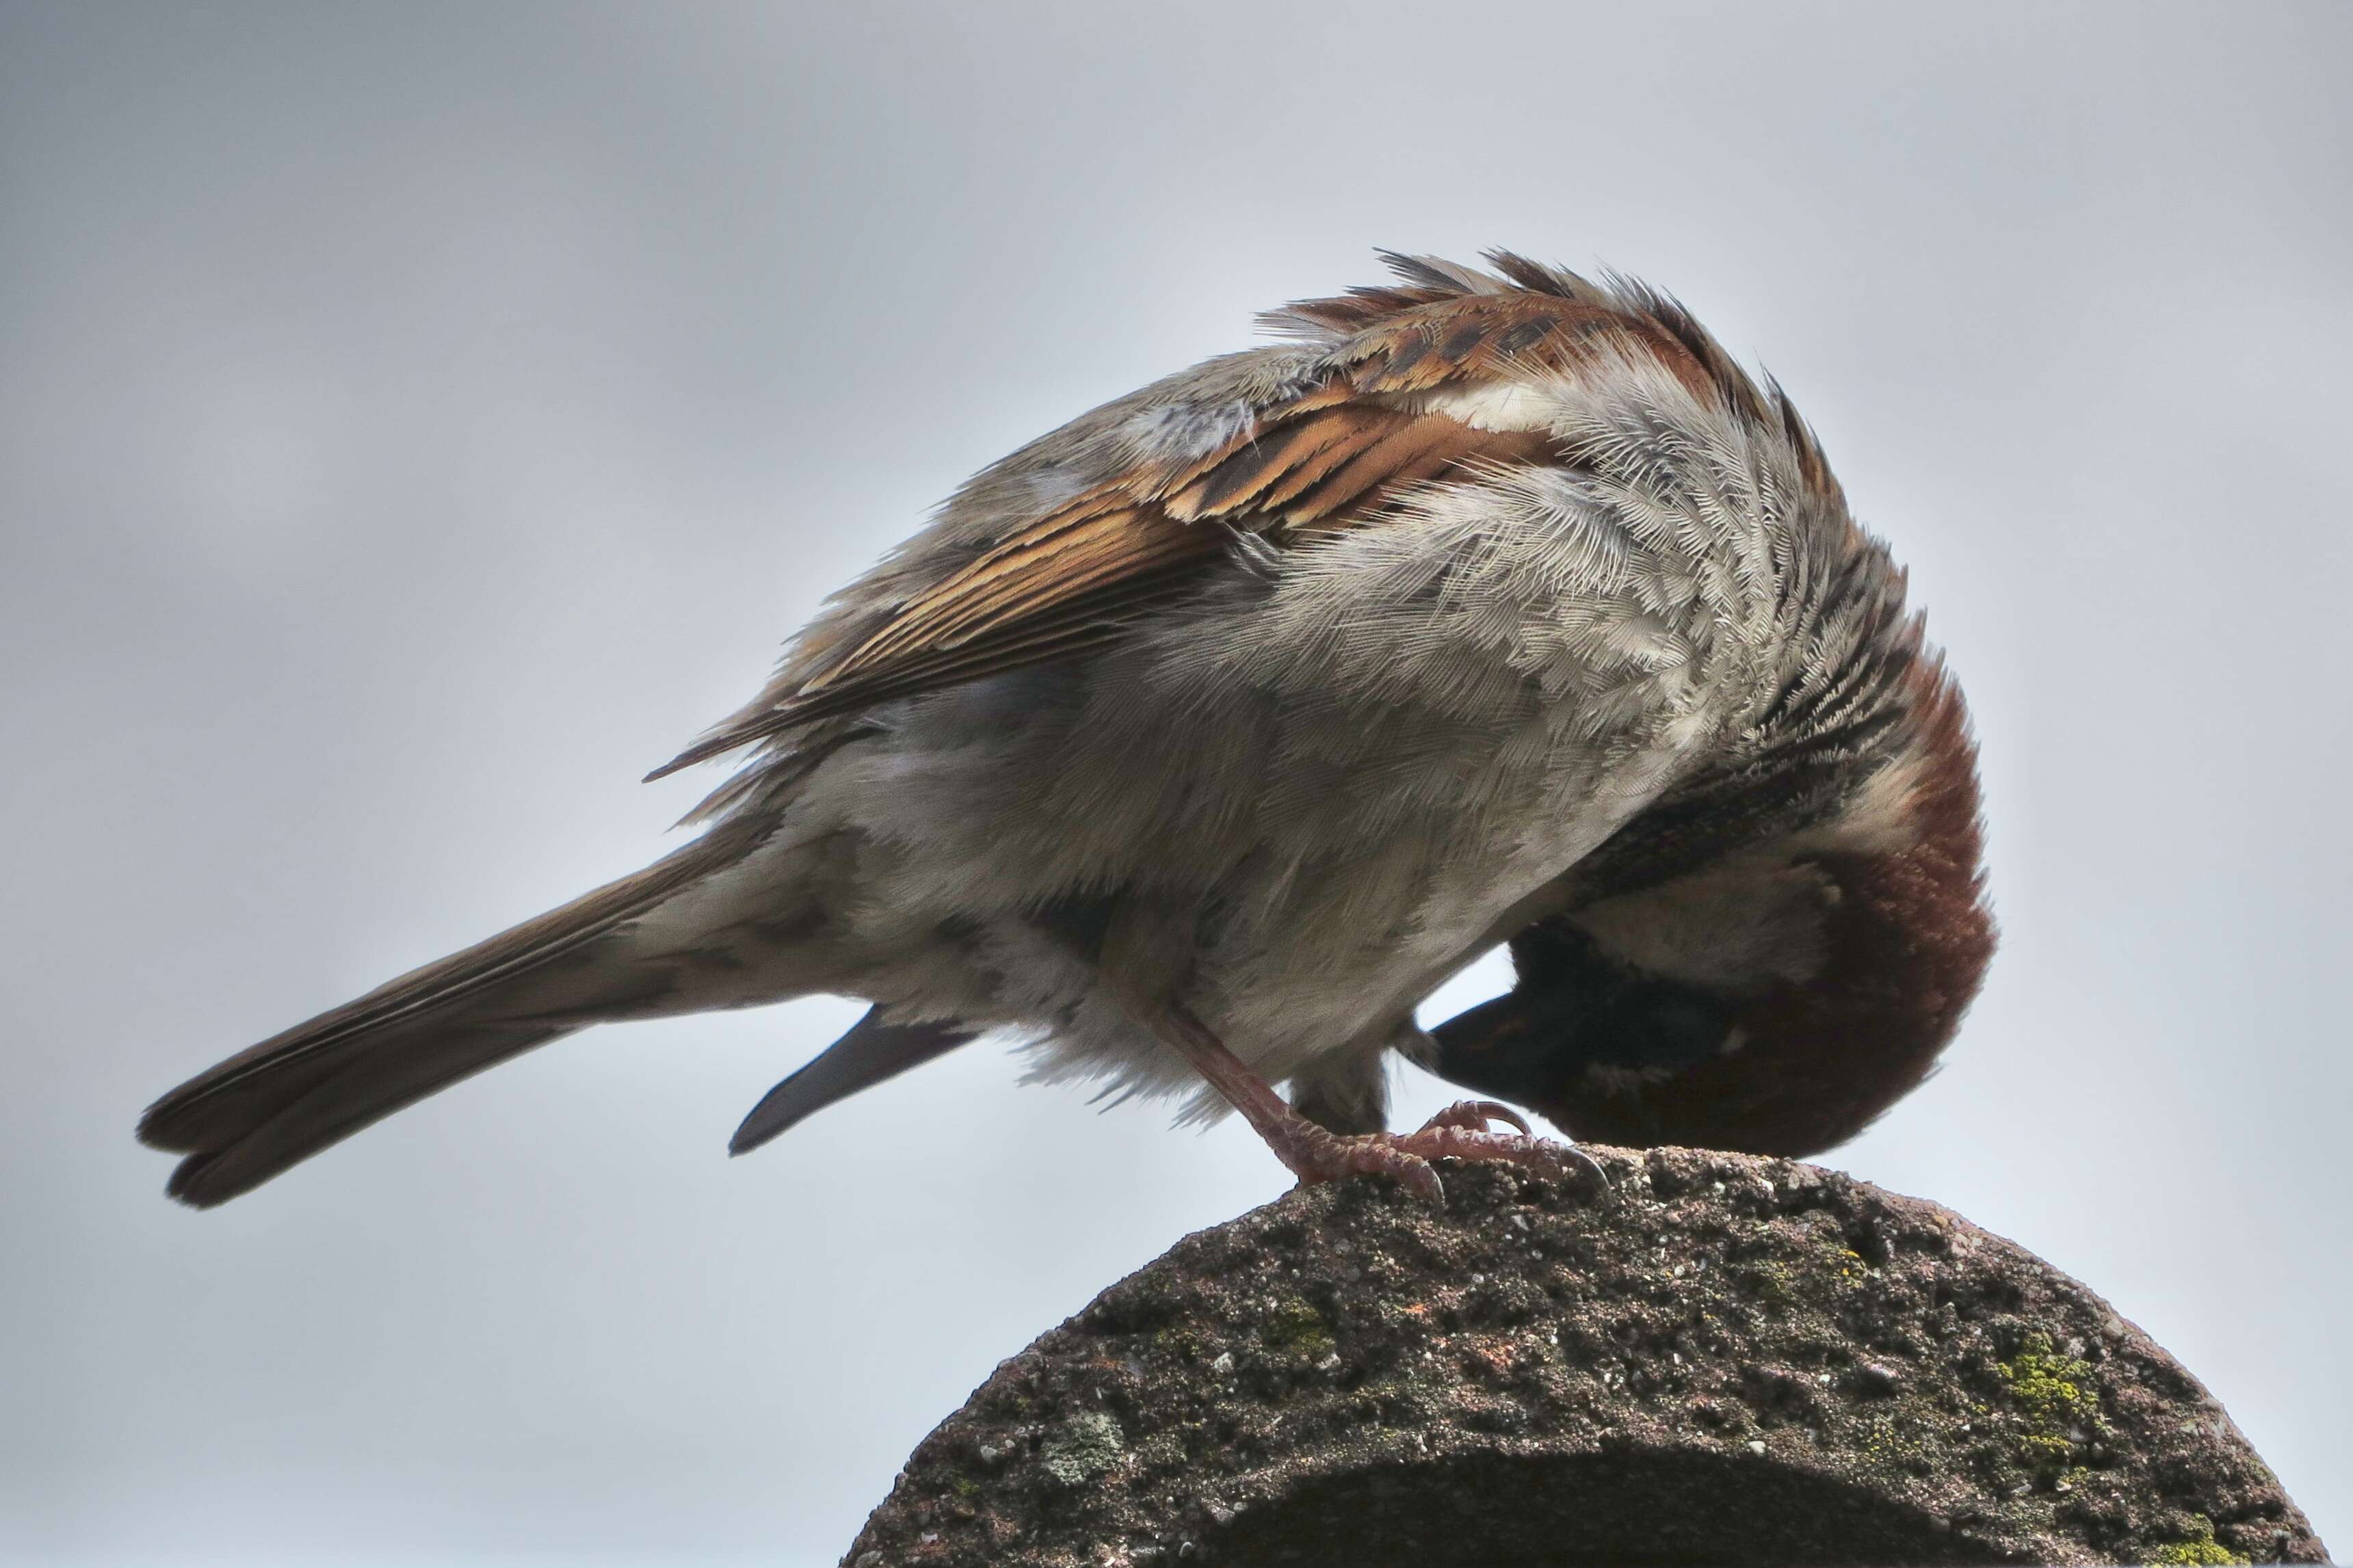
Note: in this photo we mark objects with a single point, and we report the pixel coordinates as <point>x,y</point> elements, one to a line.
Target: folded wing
<point>1393,405</point>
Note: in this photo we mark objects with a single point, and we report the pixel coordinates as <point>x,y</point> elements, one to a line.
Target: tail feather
<point>369,1087</point>
<point>872,1051</point>
<point>273,1106</point>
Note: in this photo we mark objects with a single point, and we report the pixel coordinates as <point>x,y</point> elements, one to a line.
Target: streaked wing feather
<point>1323,460</point>
<point>1084,626</point>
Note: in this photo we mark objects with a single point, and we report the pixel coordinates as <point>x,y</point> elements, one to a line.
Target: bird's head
<point>1766,960</point>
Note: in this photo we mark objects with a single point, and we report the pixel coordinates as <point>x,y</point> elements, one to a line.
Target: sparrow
<point>1196,742</point>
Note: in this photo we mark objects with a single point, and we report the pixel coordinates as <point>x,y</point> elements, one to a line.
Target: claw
<point>1476,1114</point>
<point>1538,1154</point>
<point>1472,1116</point>
<point>1459,1133</point>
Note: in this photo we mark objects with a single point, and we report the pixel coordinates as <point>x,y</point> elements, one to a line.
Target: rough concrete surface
<point>1717,1359</point>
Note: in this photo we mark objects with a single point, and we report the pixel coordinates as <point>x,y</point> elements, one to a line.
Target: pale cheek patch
<point>1733,931</point>
<point>1879,819</point>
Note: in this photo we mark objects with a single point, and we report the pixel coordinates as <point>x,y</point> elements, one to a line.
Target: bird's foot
<point>1460,1132</point>
<point>1476,1114</point>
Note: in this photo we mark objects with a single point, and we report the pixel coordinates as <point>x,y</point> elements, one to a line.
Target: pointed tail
<point>271,1107</point>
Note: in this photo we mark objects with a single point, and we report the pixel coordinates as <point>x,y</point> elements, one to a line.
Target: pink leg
<point>1315,1154</point>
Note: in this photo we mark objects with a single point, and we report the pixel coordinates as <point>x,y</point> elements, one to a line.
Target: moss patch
<point>2202,1547</point>
<point>2058,1404</point>
<point>1298,1328</point>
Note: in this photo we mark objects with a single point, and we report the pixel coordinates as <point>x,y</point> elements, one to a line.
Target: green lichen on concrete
<point>1771,1282</point>
<point>2200,1549</point>
<point>2040,1452</point>
<point>1892,1448</point>
<point>2058,1402</point>
<point>1297,1326</point>
<point>1082,1448</point>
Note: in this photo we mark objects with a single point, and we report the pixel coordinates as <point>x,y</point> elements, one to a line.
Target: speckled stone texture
<point>1715,1360</point>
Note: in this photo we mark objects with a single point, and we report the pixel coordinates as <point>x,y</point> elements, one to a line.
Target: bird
<point>1197,743</point>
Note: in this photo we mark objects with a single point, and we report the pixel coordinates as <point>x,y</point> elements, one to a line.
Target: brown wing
<point>1324,460</point>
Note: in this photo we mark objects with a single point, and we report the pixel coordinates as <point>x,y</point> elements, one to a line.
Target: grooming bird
<point>1200,739</point>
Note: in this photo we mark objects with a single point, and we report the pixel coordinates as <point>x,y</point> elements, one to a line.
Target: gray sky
<point>417,421</point>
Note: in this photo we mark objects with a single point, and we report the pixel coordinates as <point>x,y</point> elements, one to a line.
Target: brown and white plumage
<point>1265,698</point>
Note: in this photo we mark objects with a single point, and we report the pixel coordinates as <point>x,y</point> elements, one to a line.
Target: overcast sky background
<point>417,420</point>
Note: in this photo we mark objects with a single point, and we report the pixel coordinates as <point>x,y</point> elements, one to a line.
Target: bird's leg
<point>1314,1154</point>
